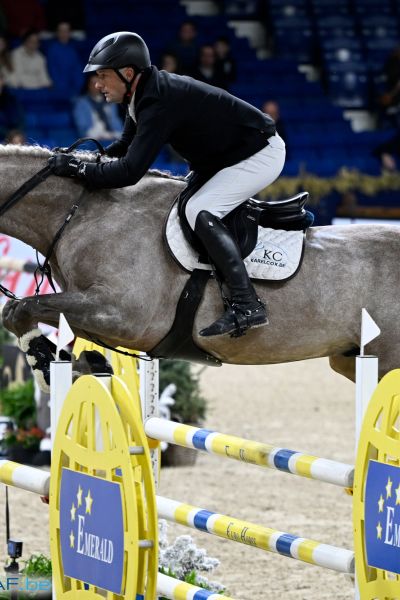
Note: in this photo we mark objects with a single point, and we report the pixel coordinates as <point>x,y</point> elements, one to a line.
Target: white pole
<point>60,384</point>
<point>149,398</point>
<point>366,382</point>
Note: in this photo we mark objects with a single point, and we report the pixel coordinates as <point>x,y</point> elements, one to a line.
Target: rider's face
<point>111,85</point>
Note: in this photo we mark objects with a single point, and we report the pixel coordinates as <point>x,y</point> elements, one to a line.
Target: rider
<point>232,147</point>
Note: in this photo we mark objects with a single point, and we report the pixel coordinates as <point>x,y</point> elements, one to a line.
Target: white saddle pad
<point>276,257</point>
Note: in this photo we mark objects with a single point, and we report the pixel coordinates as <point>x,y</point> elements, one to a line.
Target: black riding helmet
<point>119,50</point>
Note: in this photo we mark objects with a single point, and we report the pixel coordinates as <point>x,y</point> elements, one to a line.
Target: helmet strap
<point>128,84</point>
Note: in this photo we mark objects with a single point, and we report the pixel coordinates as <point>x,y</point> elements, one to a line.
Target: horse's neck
<point>37,216</point>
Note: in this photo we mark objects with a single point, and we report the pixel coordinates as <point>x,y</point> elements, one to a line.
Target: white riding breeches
<point>233,185</point>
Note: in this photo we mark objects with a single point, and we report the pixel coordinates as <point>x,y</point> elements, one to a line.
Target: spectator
<point>271,108</point>
<point>23,16</point>
<point>15,136</point>
<point>206,69</point>
<point>11,112</point>
<point>63,63</point>
<point>93,116</point>
<point>6,68</point>
<point>29,64</point>
<point>169,63</point>
<point>186,48</point>
<point>225,63</point>
<point>387,153</point>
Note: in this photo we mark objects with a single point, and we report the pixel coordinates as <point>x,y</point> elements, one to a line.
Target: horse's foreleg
<point>84,312</point>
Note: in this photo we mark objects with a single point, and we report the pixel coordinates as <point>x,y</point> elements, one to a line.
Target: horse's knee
<point>17,317</point>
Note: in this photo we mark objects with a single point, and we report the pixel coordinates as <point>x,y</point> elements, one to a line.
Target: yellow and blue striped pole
<point>30,479</point>
<point>256,453</point>
<point>271,540</point>
<point>178,590</point>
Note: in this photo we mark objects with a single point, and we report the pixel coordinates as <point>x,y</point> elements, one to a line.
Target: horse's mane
<point>37,151</point>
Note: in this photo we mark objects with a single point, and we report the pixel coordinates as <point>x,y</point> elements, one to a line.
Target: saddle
<point>253,225</point>
<point>244,221</point>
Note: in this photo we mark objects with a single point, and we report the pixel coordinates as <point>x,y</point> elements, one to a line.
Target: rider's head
<point>118,59</point>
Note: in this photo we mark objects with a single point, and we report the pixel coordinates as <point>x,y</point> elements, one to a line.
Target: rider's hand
<point>65,165</point>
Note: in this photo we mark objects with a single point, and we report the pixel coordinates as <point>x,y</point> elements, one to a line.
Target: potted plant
<point>189,406</point>
<point>22,442</point>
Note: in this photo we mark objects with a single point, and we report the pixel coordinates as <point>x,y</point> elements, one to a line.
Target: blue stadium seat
<point>348,84</point>
<point>373,7</point>
<point>336,27</point>
<point>379,27</point>
<point>294,38</point>
<point>287,9</point>
<point>328,8</point>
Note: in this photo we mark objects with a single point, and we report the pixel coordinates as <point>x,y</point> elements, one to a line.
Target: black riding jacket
<point>206,125</point>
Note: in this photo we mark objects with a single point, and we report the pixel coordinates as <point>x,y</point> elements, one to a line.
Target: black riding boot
<point>246,310</point>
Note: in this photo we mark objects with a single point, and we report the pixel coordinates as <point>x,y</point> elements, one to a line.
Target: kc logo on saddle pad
<point>276,256</point>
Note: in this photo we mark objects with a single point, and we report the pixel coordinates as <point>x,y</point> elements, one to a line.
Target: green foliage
<point>190,406</point>
<point>5,335</point>
<point>38,565</point>
<point>18,402</point>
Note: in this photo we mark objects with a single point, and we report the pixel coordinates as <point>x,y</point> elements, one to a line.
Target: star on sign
<point>79,496</point>
<point>89,502</point>
<point>381,502</point>
<point>389,488</point>
<point>397,490</point>
<point>379,531</point>
<point>73,511</point>
<point>71,540</point>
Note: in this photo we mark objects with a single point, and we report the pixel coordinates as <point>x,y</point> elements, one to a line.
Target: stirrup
<point>237,320</point>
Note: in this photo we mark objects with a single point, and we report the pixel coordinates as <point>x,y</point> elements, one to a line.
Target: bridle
<point>44,269</point>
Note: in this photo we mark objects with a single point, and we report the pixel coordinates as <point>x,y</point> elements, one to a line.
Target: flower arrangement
<point>185,561</point>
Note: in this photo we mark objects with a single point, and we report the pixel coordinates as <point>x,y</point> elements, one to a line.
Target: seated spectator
<point>63,63</point>
<point>6,67</point>
<point>11,112</point>
<point>206,69</point>
<point>23,16</point>
<point>93,116</point>
<point>29,65</point>
<point>15,136</point>
<point>388,153</point>
<point>169,63</point>
<point>186,48</point>
<point>271,108</point>
<point>225,63</point>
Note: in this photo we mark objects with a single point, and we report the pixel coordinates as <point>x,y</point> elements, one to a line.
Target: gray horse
<point>120,284</point>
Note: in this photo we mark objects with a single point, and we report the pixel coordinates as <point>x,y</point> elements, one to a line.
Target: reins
<point>21,192</point>
<point>45,268</point>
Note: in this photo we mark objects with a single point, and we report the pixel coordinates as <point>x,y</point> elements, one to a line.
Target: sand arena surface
<point>302,406</point>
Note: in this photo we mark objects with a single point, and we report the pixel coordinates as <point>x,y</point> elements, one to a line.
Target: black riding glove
<point>65,165</point>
